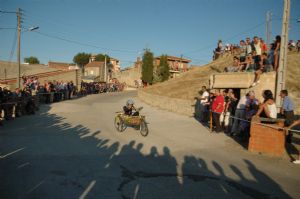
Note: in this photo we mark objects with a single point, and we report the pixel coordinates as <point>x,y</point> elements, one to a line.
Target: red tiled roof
<point>95,64</point>
<point>173,58</point>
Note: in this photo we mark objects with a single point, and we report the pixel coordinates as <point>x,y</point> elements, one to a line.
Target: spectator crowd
<point>254,55</point>
<point>26,100</point>
<point>232,114</point>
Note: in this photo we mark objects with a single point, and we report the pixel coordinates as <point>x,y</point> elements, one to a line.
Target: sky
<point>124,28</point>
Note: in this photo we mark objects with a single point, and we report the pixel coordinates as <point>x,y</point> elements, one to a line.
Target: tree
<point>81,59</point>
<point>31,60</point>
<point>164,68</point>
<point>147,67</point>
<point>101,57</point>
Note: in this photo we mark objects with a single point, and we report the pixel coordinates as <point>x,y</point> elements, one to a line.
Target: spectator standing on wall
<point>218,50</point>
<point>249,48</point>
<point>264,47</point>
<point>243,50</point>
<point>276,52</point>
<point>287,110</point>
<point>271,54</point>
<point>217,109</point>
<point>257,46</point>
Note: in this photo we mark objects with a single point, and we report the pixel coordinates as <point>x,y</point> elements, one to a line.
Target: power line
<point>7,12</point>
<point>13,46</point>
<point>54,22</point>
<point>83,44</point>
<point>7,28</point>
<point>229,38</point>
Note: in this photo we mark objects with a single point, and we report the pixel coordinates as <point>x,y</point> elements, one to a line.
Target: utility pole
<point>281,73</point>
<point>19,48</point>
<point>181,67</point>
<point>105,69</point>
<point>268,27</point>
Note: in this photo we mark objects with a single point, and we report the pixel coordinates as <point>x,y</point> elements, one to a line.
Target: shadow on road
<point>64,161</point>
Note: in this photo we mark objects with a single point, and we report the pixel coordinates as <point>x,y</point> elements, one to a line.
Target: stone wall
<point>128,76</point>
<point>181,106</point>
<point>72,75</point>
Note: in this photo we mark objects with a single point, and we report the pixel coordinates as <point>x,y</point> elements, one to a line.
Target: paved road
<point>71,150</point>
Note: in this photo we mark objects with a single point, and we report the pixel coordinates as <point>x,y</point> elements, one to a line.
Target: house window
<point>91,72</point>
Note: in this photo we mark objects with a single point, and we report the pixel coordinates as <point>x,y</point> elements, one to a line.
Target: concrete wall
<point>244,81</point>
<point>181,106</point>
<point>128,76</point>
<point>73,75</point>
<point>64,76</point>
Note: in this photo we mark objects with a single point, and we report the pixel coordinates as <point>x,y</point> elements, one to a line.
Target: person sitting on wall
<point>268,107</point>
<point>236,65</point>
<point>129,108</point>
<point>263,67</point>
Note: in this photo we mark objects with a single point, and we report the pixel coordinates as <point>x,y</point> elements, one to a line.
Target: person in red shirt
<point>217,109</point>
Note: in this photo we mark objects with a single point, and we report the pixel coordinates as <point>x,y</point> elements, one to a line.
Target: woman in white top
<point>268,107</point>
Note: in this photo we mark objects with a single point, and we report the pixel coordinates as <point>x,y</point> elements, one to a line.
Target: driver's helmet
<point>129,102</point>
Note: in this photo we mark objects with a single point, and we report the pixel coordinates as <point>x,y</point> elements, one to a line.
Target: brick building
<point>177,65</point>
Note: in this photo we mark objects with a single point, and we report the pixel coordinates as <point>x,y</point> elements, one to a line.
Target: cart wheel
<point>144,128</point>
<point>119,124</point>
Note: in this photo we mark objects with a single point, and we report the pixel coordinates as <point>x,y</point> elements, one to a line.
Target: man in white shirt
<point>203,109</point>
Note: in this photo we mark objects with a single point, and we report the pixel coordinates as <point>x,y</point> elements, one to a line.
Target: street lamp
<point>33,28</point>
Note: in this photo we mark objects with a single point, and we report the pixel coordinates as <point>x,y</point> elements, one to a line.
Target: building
<point>115,64</point>
<point>94,72</point>
<point>177,65</point>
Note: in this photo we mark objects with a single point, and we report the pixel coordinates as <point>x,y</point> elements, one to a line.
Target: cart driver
<point>129,108</point>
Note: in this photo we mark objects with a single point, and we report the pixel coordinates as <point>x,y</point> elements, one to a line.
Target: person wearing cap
<point>129,108</point>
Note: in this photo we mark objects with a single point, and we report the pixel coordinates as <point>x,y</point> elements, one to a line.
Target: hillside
<point>188,85</point>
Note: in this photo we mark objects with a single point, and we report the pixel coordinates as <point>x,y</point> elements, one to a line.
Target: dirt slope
<point>188,85</point>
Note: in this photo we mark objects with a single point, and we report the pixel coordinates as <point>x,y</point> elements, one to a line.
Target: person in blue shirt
<point>287,111</point>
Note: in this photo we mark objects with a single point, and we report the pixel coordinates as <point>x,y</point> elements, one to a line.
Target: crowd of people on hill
<point>232,113</point>
<point>26,100</point>
<point>254,55</point>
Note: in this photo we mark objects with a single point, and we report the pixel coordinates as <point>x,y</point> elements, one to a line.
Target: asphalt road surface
<point>72,150</point>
